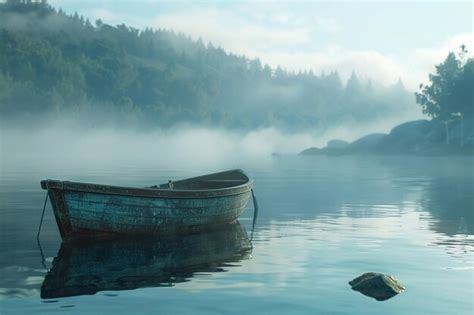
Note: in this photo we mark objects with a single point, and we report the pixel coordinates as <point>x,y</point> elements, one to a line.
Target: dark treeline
<point>54,65</point>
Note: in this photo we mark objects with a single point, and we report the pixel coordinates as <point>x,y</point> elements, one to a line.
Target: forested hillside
<point>57,66</point>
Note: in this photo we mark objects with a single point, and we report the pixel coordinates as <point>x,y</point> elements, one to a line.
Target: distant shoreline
<point>418,137</point>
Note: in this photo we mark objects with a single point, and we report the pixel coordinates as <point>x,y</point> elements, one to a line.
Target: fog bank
<point>176,147</point>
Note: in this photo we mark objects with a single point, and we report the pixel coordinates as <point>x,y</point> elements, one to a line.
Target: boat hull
<point>89,208</point>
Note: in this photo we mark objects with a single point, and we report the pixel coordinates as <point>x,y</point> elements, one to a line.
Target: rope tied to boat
<point>43,260</point>
<point>255,213</point>
<point>42,216</point>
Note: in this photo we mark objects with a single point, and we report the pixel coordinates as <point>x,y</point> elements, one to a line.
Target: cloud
<point>425,59</point>
<point>439,52</point>
<point>279,39</point>
<point>413,66</point>
<point>368,63</point>
<point>234,33</point>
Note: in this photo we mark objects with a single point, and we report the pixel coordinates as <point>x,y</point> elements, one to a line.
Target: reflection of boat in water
<point>89,266</point>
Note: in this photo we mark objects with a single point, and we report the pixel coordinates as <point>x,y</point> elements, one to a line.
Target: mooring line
<point>42,216</point>
<point>43,260</point>
<point>255,213</point>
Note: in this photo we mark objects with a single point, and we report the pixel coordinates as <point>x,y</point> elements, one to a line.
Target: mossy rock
<point>377,285</point>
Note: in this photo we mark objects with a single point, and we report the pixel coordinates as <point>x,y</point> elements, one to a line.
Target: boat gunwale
<point>151,192</point>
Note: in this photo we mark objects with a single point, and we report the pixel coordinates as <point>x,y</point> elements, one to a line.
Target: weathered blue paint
<point>203,201</point>
<point>138,215</point>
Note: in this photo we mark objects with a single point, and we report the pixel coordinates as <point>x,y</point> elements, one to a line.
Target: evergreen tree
<point>448,96</point>
<point>55,64</point>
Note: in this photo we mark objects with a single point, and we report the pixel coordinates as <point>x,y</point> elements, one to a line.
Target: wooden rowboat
<point>196,203</point>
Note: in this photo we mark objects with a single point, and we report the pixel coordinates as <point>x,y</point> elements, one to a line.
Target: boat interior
<point>212,181</point>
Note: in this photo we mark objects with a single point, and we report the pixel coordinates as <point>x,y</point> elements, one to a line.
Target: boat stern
<point>60,210</point>
<point>44,184</point>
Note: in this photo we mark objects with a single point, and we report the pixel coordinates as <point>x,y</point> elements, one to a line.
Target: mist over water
<point>182,145</point>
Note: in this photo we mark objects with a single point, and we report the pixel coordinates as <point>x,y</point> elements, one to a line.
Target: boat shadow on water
<point>88,266</point>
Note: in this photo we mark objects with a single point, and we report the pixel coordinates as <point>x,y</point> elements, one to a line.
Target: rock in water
<point>377,285</point>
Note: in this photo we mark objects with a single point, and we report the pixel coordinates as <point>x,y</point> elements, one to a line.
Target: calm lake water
<point>322,221</point>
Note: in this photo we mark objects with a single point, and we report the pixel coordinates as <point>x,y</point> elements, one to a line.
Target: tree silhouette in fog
<point>54,65</point>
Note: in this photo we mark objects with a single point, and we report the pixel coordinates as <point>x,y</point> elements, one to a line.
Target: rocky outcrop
<point>337,144</point>
<point>412,137</point>
<point>311,151</point>
<point>377,285</point>
<point>367,143</point>
<point>419,137</point>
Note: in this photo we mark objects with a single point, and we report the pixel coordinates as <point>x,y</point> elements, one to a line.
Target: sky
<point>383,40</point>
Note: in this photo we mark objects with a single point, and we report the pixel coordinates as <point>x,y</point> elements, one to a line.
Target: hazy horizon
<point>335,116</point>
<point>65,144</point>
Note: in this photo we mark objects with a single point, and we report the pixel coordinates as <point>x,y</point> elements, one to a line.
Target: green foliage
<point>449,93</point>
<point>463,100</point>
<point>55,64</point>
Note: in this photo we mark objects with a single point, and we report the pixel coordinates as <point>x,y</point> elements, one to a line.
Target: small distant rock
<point>377,285</point>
